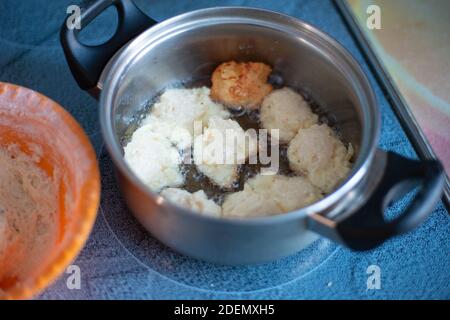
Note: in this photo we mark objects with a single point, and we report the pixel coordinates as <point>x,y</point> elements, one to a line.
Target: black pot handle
<point>87,62</point>
<point>367,228</point>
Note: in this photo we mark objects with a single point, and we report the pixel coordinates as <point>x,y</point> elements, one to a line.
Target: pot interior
<point>186,49</point>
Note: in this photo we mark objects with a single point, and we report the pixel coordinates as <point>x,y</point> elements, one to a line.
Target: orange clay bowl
<point>27,117</point>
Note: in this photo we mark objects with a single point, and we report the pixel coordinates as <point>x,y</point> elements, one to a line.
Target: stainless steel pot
<point>143,58</point>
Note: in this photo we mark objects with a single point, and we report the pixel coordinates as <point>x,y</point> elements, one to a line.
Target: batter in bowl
<point>28,208</point>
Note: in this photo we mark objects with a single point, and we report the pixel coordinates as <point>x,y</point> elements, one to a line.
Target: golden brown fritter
<point>241,84</point>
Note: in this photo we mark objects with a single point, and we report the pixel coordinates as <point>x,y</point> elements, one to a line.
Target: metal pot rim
<point>116,67</point>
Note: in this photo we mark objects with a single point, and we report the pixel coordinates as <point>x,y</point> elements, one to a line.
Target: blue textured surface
<point>121,261</point>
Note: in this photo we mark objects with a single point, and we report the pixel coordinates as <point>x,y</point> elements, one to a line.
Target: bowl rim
<point>88,204</point>
<point>118,65</point>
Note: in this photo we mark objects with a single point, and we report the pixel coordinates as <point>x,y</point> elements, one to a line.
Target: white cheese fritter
<point>221,148</point>
<point>287,111</point>
<point>266,195</point>
<point>197,201</point>
<point>318,153</point>
<point>180,108</point>
<point>154,159</point>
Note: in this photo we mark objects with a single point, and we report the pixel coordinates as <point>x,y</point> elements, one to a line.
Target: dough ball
<point>154,159</point>
<point>248,204</point>
<point>241,84</point>
<point>197,201</point>
<point>266,195</point>
<point>177,135</point>
<point>154,152</point>
<point>287,111</point>
<point>180,108</point>
<point>223,175</point>
<point>290,193</point>
<point>318,153</point>
<point>221,148</point>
